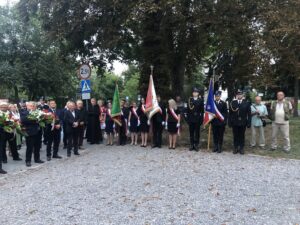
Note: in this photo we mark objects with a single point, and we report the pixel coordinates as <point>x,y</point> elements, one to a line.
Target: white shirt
<point>279,113</point>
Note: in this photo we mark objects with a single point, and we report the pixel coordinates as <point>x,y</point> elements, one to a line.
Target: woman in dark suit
<point>172,122</point>
<point>144,126</point>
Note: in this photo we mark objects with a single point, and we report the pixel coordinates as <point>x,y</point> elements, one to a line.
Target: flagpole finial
<point>151,68</point>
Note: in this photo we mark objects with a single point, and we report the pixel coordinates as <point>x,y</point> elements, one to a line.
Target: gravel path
<point>130,185</point>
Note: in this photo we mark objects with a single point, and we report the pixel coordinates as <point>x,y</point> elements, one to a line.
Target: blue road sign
<point>85,86</point>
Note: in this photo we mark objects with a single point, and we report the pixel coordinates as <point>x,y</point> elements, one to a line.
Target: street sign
<point>84,72</point>
<point>86,96</point>
<point>85,86</point>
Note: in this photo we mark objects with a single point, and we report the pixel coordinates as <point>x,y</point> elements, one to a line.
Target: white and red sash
<point>174,114</point>
<point>108,113</point>
<point>133,110</point>
<point>143,108</point>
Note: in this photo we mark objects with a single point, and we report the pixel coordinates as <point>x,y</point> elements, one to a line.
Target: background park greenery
<point>251,44</point>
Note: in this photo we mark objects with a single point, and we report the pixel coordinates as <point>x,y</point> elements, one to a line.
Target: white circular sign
<point>84,71</point>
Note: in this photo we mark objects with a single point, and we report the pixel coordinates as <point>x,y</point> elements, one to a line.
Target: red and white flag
<point>152,106</point>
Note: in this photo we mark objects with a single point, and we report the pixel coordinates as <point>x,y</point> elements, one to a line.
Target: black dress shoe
<point>17,159</point>
<point>235,151</point>
<point>192,148</point>
<point>242,152</point>
<point>39,161</point>
<point>68,155</point>
<point>76,153</point>
<point>48,158</point>
<point>153,146</point>
<point>28,164</point>
<point>2,171</point>
<point>57,157</point>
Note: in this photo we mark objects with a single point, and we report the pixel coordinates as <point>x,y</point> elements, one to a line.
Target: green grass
<point>228,141</point>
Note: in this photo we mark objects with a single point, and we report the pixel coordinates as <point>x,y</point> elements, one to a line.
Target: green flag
<point>116,107</point>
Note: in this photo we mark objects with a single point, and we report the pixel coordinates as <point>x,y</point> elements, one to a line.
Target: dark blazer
<point>195,110</point>
<point>239,115</point>
<point>59,117</point>
<point>159,117</point>
<point>82,115</point>
<point>222,107</point>
<point>69,120</point>
<point>31,127</point>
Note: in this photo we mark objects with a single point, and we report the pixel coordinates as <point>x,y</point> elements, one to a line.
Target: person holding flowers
<point>53,130</point>
<point>32,121</point>
<point>10,134</point>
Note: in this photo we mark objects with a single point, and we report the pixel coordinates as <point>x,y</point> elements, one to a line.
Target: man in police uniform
<point>218,126</point>
<point>239,120</point>
<point>194,116</point>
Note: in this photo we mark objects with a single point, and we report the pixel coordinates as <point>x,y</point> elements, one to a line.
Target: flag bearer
<point>218,126</point>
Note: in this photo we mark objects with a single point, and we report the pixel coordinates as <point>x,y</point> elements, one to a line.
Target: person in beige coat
<point>280,114</point>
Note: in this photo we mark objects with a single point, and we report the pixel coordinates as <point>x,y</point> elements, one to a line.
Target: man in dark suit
<point>53,131</point>
<point>32,129</point>
<point>239,120</point>
<point>158,120</point>
<point>72,122</point>
<point>9,138</point>
<point>194,116</point>
<point>82,114</point>
<point>218,126</point>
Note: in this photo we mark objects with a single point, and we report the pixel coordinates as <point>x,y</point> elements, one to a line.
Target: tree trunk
<point>296,96</point>
<point>17,99</point>
<point>178,77</point>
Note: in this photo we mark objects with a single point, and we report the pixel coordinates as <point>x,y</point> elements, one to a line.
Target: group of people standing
<point>76,122</point>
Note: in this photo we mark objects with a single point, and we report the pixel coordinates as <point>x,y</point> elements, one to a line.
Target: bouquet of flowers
<point>6,123</point>
<point>41,117</point>
<point>9,124</point>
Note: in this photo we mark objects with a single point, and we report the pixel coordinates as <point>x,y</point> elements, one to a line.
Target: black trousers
<point>72,141</point>
<point>45,136</point>
<point>194,129</point>
<point>122,134</point>
<point>81,130</point>
<point>218,135</point>
<point>157,134</point>
<point>12,145</point>
<point>53,138</point>
<point>65,136</point>
<point>33,144</point>
<point>1,147</point>
<point>239,136</point>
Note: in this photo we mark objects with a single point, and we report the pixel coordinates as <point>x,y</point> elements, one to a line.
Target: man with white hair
<point>258,112</point>
<point>280,114</point>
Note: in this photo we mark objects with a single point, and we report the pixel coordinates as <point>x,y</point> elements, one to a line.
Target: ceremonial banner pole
<point>208,138</point>
<point>209,128</point>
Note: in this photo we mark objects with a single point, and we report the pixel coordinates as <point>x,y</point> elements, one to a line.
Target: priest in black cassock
<point>93,131</point>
